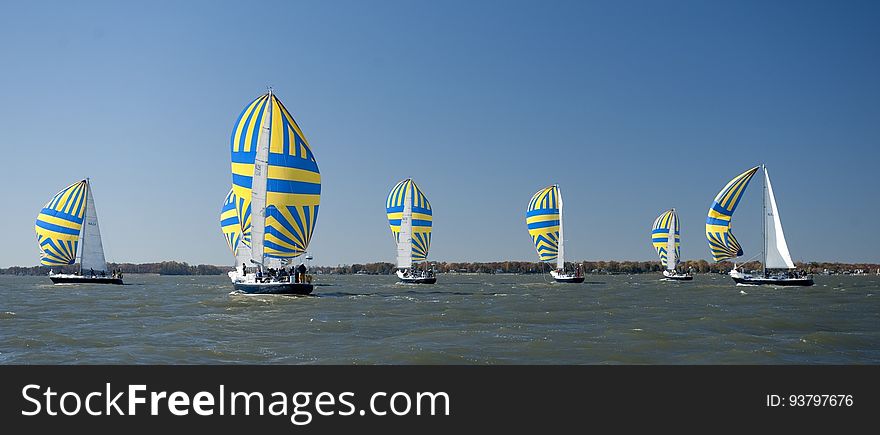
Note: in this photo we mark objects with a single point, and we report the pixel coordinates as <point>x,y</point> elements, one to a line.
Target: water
<point>464,319</point>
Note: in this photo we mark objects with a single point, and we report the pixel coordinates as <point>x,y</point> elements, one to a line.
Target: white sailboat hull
<point>279,286</point>
<point>781,280</point>
<point>64,278</point>
<point>416,277</point>
<point>671,275</point>
<point>566,277</point>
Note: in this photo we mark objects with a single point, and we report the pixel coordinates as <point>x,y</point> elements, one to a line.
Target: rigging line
<point>543,273</point>
<point>753,257</point>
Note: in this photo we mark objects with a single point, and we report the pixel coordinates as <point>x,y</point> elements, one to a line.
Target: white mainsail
<point>671,260</point>
<point>91,248</point>
<point>404,238</point>
<point>258,187</point>
<point>776,253</point>
<point>243,255</point>
<point>560,259</point>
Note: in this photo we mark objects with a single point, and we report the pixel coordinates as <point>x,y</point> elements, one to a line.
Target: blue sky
<point>632,107</point>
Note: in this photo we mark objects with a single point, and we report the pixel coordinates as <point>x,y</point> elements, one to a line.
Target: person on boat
<point>301,271</point>
<point>92,272</point>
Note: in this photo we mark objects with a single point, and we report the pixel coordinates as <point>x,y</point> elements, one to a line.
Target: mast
<point>258,187</point>
<point>764,224</point>
<point>560,258</point>
<point>82,231</point>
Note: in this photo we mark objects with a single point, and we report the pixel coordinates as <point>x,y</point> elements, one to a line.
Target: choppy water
<point>475,319</point>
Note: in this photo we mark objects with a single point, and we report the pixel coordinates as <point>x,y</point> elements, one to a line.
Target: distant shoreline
<point>609,267</point>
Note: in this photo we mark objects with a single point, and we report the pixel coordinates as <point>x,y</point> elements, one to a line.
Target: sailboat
<point>411,218</point>
<point>666,238</point>
<point>544,221</point>
<point>777,264</point>
<point>67,229</point>
<point>276,191</point>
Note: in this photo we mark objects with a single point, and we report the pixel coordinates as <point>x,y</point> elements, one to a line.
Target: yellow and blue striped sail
<point>542,219</point>
<point>660,236</point>
<point>229,223</point>
<point>718,231</point>
<point>422,216</point>
<point>293,190</point>
<point>59,224</point>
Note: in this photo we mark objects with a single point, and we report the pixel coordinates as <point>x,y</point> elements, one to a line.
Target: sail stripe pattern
<point>542,220</point>
<point>660,236</point>
<point>59,224</point>
<point>719,234</point>
<point>229,222</point>
<point>293,189</point>
<point>422,216</point>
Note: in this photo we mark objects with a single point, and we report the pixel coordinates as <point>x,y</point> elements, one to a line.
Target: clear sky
<point>632,107</point>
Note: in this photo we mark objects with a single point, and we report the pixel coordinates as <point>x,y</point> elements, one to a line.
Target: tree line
<point>517,267</point>
<point>596,267</point>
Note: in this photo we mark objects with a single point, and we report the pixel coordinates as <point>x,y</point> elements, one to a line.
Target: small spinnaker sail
<point>229,223</point>
<point>422,216</point>
<point>542,219</point>
<point>722,243</point>
<point>660,234</point>
<point>292,180</point>
<point>59,224</point>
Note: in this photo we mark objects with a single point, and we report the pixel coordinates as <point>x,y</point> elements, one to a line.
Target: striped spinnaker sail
<point>292,180</point>
<point>542,219</point>
<point>229,223</point>
<point>59,224</point>
<point>660,236</point>
<point>718,224</point>
<point>422,216</point>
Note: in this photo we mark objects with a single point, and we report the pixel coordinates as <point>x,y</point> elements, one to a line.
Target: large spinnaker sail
<point>292,180</point>
<point>664,226</point>
<point>59,225</point>
<point>776,251</point>
<point>722,243</point>
<point>542,220</point>
<point>421,221</point>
